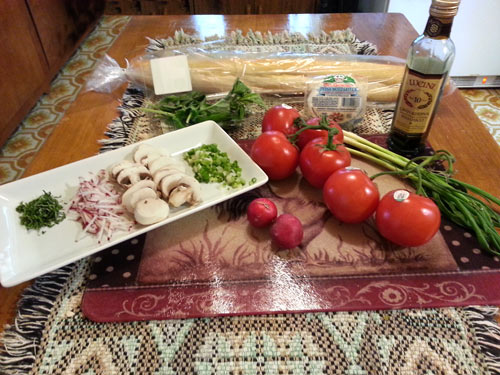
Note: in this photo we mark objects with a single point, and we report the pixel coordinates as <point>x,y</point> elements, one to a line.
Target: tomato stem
<point>330,146</point>
<point>323,125</point>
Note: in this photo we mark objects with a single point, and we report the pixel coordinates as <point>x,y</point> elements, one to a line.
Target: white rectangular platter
<point>27,254</point>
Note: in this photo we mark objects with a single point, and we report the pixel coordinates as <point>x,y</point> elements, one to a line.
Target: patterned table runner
<point>214,263</point>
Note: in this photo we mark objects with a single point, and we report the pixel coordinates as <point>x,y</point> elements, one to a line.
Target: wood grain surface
<point>22,66</point>
<point>456,128</point>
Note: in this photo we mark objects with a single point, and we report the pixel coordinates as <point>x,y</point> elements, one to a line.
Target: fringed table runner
<point>51,335</point>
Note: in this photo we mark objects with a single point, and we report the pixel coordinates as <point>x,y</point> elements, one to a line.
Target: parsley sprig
<point>191,108</point>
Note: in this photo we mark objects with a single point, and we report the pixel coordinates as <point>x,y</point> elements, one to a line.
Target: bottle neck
<point>438,28</point>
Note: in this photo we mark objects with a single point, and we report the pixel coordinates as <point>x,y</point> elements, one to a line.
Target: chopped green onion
<point>210,164</point>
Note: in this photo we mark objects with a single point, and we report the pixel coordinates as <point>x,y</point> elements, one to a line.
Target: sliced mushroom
<point>131,190</point>
<point>195,185</point>
<point>116,168</point>
<point>170,182</point>
<point>150,211</point>
<point>188,191</point>
<point>150,158</point>
<point>160,174</point>
<point>146,152</point>
<point>180,195</point>
<point>131,175</point>
<point>139,195</point>
<point>165,162</point>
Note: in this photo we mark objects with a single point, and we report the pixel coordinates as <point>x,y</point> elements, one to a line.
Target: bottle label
<point>416,102</point>
<point>436,28</point>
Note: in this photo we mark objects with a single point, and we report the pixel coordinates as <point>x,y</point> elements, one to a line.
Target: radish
<point>97,206</point>
<point>287,231</point>
<point>261,212</point>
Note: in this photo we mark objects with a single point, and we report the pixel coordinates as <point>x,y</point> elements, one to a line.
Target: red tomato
<point>317,164</point>
<point>274,153</point>
<point>261,212</point>
<point>350,195</point>
<point>308,135</point>
<point>407,219</point>
<point>280,118</point>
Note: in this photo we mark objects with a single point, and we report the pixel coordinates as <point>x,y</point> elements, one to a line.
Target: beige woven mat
<point>375,121</point>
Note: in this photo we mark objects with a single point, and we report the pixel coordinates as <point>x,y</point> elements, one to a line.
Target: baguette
<point>282,75</point>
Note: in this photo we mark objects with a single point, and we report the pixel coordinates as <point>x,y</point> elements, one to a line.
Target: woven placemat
<point>134,125</point>
<point>51,335</point>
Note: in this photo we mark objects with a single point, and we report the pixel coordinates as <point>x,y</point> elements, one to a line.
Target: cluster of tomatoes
<point>315,146</point>
<point>279,157</point>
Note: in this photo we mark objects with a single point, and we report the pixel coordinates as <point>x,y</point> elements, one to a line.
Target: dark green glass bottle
<point>427,67</point>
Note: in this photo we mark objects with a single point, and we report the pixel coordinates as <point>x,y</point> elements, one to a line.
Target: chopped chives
<point>44,211</point>
<point>210,164</point>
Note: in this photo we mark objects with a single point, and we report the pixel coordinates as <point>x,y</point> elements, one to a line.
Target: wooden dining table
<point>456,128</point>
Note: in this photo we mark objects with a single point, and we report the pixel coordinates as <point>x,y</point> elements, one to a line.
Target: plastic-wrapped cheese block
<point>340,97</point>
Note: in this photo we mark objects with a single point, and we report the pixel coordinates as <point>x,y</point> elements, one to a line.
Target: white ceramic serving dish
<point>27,254</point>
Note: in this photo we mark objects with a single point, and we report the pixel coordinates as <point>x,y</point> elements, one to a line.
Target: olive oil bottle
<point>427,67</point>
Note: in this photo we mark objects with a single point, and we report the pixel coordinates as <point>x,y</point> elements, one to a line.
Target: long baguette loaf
<point>387,73</point>
<point>283,75</point>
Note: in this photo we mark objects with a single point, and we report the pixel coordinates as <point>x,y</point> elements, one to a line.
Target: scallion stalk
<point>451,195</point>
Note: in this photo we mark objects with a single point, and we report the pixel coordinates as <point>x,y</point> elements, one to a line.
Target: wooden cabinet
<point>61,24</point>
<point>36,39</point>
<point>284,6</point>
<point>253,6</point>
<point>222,6</point>
<point>148,7</point>
<point>23,68</point>
<point>210,6</point>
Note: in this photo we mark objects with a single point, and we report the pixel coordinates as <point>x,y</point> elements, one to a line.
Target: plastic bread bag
<point>287,73</point>
<point>339,97</point>
<point>214,71</point>
<point>107,76</point>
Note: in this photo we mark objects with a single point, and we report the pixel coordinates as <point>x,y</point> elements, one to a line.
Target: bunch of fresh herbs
<point>191,108</point>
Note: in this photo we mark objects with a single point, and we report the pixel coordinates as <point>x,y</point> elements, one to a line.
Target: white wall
<point>476,33</point>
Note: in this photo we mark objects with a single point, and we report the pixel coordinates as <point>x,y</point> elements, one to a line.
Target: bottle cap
<point>444,8</point>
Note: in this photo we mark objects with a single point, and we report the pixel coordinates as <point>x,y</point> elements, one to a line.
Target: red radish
<point>261,212</point>
<point>287,231</point>
<point>97,206</point>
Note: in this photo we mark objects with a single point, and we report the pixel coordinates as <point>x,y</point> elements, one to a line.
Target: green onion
<point>44,211</point>
<point>210,164</point>
<point>451,195</point>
